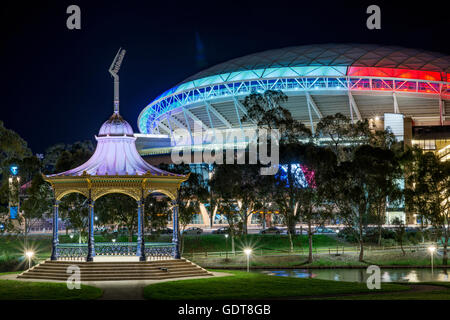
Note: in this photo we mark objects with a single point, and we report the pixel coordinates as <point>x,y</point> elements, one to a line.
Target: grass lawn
<point>243,285</point>
<point>21,290</point>
<point>383,258</point>
<point>216,242</point>
<point>443,294</point>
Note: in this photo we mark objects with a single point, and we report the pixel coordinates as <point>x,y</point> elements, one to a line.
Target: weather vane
<point>114,70</point>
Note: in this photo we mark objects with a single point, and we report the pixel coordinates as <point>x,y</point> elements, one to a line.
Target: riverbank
<point>391,259</point>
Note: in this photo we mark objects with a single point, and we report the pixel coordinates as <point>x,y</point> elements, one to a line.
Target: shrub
<point>348,234</point>
<point>388,242</point>
<point>9,264</point>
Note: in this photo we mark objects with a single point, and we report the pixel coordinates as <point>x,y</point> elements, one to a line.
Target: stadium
<point>405,89</point>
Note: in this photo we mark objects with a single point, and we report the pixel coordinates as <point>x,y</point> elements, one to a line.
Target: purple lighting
<point>115,154</point>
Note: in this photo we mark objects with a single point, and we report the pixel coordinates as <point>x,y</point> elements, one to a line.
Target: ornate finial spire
<point>113,70</point>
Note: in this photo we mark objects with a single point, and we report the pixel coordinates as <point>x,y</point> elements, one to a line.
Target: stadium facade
<point>407,90</point>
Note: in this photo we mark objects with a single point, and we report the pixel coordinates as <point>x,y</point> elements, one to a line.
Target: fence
<point>338,250</point>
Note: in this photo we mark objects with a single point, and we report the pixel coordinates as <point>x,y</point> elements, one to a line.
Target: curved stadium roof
<point>335,68</point>
<point>343,55</point>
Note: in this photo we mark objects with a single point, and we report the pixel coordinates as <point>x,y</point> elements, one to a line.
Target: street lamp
<point>248,252</point>
<point>29,255</point>
<point>432,249</point>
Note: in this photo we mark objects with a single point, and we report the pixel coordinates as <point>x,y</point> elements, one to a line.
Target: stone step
<point>111,265</point>
<point>87,272</point>
<point>65,275</point>
<point>108,269</point>
<point>119,263</point>
<point>103,271</point>
<point>108,277</point>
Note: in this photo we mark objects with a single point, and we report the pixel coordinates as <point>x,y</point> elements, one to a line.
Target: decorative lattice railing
<point>79,251</point>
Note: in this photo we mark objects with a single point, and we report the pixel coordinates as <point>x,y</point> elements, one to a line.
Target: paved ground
<point>117,290</point>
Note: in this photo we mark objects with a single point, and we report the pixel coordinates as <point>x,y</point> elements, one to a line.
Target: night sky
<point>55,82</point>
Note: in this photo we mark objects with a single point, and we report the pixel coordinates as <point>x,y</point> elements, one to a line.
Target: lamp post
<point>29,255</point>
<point>226,247</point>
<point>248,252</point>
<point>432,249</point>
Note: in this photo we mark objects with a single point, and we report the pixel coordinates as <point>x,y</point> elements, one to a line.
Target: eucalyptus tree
<point>386,187</point>
<point>268,112</point>
<point>313,206</point>
<point>12,150</point>
<point>370,157</point>
<point>241,182</point>
<point>156,213</point>
<point>356,187</point>
<point>73,156</point>
<point>73,207</point>
<point>428,189</point>
<point>399,232</point>
<point>223,184</point>
<point>342,135</point>
<point>116,208</point>
<point>37,203</point>
<point>414,201</point>
<point>191,193</point>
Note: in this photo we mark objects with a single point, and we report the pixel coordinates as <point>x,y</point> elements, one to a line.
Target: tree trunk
<point>291,243</point>
<point>244,224</point>
<point>130,235</point>
<point>361,244</point>
<point>181,244</point>
<point>401,246</point>
<point>26,234</point>
<point>380,222</point>
<point>421,230</point>
<point>232,243</point>
<point>445,257</point>
<point>310,242</point>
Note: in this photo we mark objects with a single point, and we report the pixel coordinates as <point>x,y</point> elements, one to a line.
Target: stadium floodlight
<point>114,70</point>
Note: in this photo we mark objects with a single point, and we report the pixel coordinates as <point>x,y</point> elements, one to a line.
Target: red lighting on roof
<point>393,73</point>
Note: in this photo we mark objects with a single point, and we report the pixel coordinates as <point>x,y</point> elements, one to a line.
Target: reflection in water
<point>360,275</point>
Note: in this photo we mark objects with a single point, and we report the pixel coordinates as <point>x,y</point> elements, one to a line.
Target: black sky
<point>55,85</point>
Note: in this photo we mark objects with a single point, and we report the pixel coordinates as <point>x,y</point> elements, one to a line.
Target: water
<point>360,275</point>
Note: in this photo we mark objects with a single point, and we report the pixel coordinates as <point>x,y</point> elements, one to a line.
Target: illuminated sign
<point>13,212</point>
<point>14,170</point>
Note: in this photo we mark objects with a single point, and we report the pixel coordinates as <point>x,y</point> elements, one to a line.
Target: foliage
<point>238,182</point>
<point>428,191</point>
<point>119,209</point>
<point>157,213</point>
<point>192,192</point>
<point>268,112</point>
<point>12,150</point>
<point>365,174</point>
<point>38,202</point>
<point>74,155</point>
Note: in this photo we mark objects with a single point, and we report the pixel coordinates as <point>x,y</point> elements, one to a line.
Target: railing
<point>72,251</point>
<point>336,250</point>
<point>159,251</point>
<point>79,251</point>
